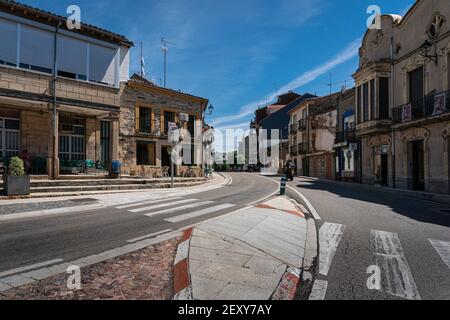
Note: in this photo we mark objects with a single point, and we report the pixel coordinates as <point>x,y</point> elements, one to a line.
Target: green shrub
<point>16,167</point>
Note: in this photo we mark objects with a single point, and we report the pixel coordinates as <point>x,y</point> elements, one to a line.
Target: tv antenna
<point>165,49</point>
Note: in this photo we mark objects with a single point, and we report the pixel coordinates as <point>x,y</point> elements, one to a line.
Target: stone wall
<point>35,133</point>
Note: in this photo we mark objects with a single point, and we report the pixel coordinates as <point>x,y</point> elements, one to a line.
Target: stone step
<point>123,187</point>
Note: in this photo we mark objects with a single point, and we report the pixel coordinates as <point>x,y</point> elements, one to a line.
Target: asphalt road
<point>407,224</point>
<point>76,235</point>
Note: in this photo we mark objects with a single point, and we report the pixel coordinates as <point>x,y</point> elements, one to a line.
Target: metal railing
<point>428,106</point>
<point>346,136</point>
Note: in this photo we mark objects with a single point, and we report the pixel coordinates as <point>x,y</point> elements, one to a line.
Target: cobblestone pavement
<point>36,206</point>
<point>143,275</point>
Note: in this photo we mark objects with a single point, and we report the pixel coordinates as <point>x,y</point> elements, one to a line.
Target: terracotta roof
<point>52,19</point>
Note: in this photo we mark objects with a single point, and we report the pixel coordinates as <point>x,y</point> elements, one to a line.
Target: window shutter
<point>138,122</point>
<point>8,34</point>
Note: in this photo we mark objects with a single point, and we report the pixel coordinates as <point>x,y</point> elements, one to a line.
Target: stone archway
<point>381,164</point>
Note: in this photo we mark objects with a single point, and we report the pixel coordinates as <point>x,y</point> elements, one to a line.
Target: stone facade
<point>141,93</point>
<point>403,132</point>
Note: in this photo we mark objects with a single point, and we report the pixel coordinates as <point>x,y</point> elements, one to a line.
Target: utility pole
<point>164,49</point>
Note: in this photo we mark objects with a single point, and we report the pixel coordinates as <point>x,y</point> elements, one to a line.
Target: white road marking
<point>27,268</point>
<point>443,249</point>
<point>199,213</point>
<point>309,206</point>
<point>397,278</point>
<point>164,205</point>
<point>149,236</point>
<point>141,203</point>
<point>330,235</point>
<point>172,210</point>
<point>319,290</point>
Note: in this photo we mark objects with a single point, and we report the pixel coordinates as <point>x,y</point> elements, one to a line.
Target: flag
<point>143,66</point>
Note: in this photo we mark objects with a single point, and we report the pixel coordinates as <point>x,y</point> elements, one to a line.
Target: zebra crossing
<point>175,209</point>
<point>388,256</point>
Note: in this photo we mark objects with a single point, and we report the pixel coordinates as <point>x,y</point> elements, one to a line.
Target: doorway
<point>165,157</point>
<point>105,143</point>
<point>384,169</point>
<point>417,165</point>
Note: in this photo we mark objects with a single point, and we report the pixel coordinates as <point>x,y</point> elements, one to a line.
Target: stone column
<point>91,139</point>
<point>53,147</point>
<point>114,140</point>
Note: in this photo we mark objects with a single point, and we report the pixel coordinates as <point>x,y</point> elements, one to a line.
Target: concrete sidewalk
<point>252,254</point>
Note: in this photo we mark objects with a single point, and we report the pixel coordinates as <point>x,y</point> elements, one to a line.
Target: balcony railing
<point>428,106</point>
<point>346,136</point>
<point>302,125</point>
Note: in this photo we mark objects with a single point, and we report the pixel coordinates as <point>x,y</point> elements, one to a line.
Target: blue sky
<point>239,53</point>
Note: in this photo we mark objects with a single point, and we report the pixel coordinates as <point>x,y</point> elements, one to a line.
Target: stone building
<point>145,113</point>
<point>402,99</point>
<point>59,90</point>
<point>346,145</point>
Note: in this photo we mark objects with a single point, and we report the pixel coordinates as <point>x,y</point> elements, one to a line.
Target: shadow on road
<point>406,205</point>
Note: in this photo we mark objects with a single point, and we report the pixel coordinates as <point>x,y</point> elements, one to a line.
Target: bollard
<point>283,186</point>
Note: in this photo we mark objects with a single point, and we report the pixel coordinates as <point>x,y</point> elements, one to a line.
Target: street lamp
<point>210,110</point>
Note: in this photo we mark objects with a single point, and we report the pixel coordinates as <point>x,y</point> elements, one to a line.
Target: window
<point>72,143</point>
<point>8,49</point>
<point>365,102</point>
<point>9,137</point>
<point>383,98</point>
<point>191,126</point>
<point>168,117</point>
<point>146,153</point>
<point>36,49</point>
<point>416,85</point>
<point>373,106</point>
<point>358,102</point>
<point>102,68</point>
<point>144,120</point>
<point>72,58</point>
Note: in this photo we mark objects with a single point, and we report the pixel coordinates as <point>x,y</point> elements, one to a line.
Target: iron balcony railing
<point>302,125</point>
<point>346,136</point>
<point>428,106</point>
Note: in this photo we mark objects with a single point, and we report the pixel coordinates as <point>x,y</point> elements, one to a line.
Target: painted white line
<point>27,268</point>
<point>319,290</point>
<point>443,249</point>
<point>199,213</point>
<point>164,205</point>
<point>149,236</point>
<point>308,204</point>
<point>397,278</point>
<point>173,210</point>
<point>330,235</point>
<point>141,203</point>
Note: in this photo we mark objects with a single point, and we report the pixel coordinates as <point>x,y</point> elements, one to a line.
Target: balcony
<point>346,136</point>
<point>427,107</point>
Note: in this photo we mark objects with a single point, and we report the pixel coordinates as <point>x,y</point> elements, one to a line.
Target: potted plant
<point>16,182</point>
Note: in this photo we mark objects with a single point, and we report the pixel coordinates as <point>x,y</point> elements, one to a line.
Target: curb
<point>181,278</point>
<point>287,289</point>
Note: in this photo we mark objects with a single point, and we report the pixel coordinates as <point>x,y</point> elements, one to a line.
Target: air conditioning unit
<point>184,117</point>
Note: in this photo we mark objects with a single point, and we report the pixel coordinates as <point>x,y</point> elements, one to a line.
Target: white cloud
<point>349,52</point>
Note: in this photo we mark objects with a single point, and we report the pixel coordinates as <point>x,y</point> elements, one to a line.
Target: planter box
<point>16,186</point>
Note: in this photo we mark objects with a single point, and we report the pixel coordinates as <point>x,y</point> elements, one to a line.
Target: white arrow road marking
<point>319,290</point>
<point>330,235</point>
<point>173,210</point>
<point>164,205</point>
<point>443,249</point>
<point>397,278</point>
<point>142,203</point>
<point>31,267</point>
<point>199,213</point>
